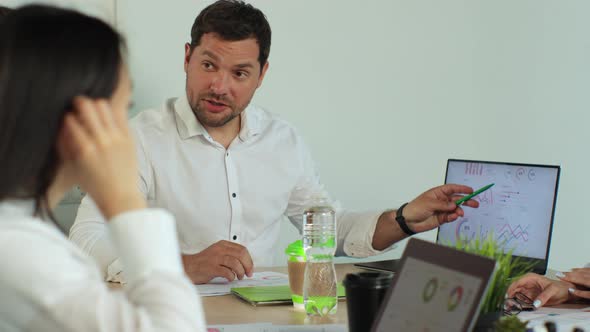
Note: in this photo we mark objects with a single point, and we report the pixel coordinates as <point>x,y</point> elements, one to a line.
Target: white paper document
<point>564,319</point>
<point>220,286</point>
<point>268,327</point>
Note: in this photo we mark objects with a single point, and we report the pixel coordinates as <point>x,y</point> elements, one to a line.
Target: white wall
<point>385,91</point>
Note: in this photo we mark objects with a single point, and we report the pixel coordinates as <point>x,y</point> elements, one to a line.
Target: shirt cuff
<point>359,240</point>
<point>115,272</point>
<point>147,242</point>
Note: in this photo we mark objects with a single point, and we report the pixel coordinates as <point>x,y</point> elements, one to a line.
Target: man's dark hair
<point>48,56</point>
<point>234,20</point>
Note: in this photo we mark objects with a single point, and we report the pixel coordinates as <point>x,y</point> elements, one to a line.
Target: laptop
<point>447,284</point>
<point>519,209</point>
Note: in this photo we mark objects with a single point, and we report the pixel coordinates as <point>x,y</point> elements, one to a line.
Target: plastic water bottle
<point>320,295</point>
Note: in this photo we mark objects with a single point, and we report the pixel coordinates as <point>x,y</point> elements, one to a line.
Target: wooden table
<point>228,309</point>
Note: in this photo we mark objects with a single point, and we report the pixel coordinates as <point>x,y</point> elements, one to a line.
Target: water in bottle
<point>319,242</point>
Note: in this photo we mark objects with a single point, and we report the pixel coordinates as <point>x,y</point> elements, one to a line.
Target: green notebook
<point>267,295</point>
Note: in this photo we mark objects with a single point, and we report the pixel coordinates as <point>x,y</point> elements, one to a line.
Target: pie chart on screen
<point>455,298</point>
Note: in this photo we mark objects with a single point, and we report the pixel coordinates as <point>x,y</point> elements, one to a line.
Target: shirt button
<point>233,195</point>
<point>235,237</point>
<point>227,154</point>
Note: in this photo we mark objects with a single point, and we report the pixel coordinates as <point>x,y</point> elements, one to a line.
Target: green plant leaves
<point>508,268</point>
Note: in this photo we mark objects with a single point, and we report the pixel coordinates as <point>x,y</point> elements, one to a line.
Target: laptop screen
<point>518,210</point>
<point>445,283</point>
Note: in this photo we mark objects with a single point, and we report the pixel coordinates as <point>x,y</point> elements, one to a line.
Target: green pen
<point>475,193</point>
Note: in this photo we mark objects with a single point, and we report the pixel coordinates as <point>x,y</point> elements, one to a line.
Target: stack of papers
<point>220,286</point>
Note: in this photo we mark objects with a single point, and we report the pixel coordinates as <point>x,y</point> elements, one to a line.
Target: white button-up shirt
<point>48,284</point>
<point>238,194</point>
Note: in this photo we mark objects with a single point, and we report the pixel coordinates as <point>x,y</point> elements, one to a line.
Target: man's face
<point>221,78</point>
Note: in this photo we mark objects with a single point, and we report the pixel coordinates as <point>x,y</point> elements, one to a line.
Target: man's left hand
<point>436,207</point>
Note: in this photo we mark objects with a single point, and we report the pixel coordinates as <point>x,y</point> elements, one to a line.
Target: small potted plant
<point>508,268</point>
<point>510,324</point>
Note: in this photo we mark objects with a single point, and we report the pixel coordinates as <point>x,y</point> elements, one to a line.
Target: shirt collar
<point>188,125</point>
<point>14,207</point>
<point>251,123</point>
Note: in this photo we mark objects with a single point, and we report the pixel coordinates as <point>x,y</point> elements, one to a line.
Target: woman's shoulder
<point>36,258</point>
<point>28,235</point>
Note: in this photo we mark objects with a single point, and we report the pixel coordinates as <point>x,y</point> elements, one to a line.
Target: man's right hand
<point>222,259</point>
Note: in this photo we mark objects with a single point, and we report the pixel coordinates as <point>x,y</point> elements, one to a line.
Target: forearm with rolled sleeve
<point>90,233</point>
<point>155,248</point>
<point>355,233</point>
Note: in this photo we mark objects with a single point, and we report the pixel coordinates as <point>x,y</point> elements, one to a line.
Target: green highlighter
<point>475,193</point>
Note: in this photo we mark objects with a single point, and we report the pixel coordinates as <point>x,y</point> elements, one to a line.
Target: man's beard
<point>202,114</point>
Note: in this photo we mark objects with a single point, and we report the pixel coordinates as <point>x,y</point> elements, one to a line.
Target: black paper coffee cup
<point>364,294</point>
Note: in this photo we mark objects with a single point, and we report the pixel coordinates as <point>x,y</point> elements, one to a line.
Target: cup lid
<point>295,249</point>
<point>368,280</point>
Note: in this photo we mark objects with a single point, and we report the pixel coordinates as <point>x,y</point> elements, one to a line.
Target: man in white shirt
<point>229,171</point>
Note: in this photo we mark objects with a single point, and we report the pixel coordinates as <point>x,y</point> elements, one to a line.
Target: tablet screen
<point>433,298</point>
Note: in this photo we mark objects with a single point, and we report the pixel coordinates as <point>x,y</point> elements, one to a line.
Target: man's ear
<point>262,73</point>
<point>187,55</point>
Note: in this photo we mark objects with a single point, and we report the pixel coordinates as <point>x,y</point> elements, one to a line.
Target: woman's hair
<point>4,11</point>
<point>48,56</point>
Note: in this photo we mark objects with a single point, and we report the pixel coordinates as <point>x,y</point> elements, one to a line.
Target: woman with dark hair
<point>4,11</point>
<point>64,94</point>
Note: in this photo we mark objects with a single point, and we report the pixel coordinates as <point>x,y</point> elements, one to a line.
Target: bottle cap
<point>319,197</point>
